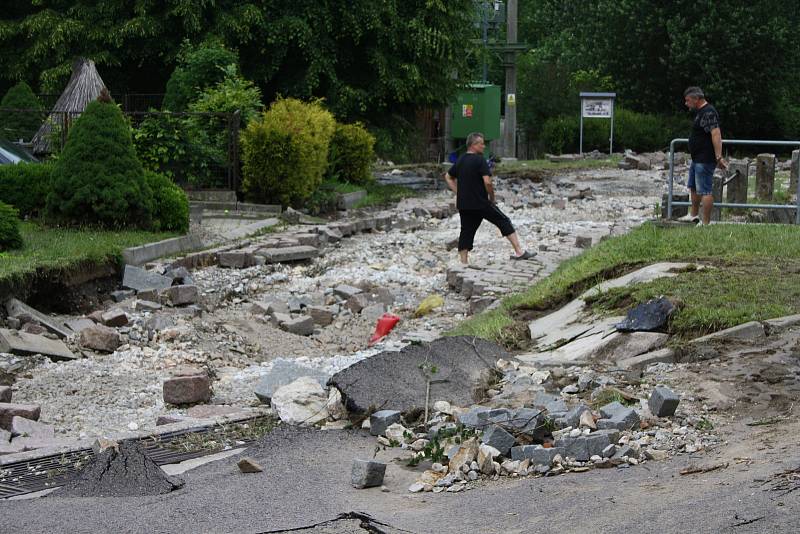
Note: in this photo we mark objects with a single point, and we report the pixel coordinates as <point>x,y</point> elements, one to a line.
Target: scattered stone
<point>624,419</point>
<point>345,292</point>
<point>663,402</point>
<point>180,276</point>
<point>18,309</point>
<point>10,410</point>
<point>583,242</point>
<point>236,259</point>
<point>287,254</point>
<point>24,344</point>
<point>141,280</point>
<point>609,451</point>
<point>269,308</point>
<point>416,487</point>
<point>114,318</point>
<point>381,420</point>
<point>187,386</point>
<point>536,454</point>
<point>123,472</point>
<point>5,393</point>
<point>498,438</point>
<point>467,453</point>
<point>648,317</point>
<point>573,417</point>
<point>367,474</point>
<point>100,338</point>
<point>248,465</point>
<point>284,372</point>
<point>303,402</point>
<point>656,454</point>
<point>146,305</point>
<point>181,295</point>
<point>301,326</point>
<point>122,294</point>
<point>322,315</point>
<point>397,433</point>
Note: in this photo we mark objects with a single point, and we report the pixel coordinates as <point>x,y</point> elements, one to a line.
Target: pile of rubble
<point>550,435</point>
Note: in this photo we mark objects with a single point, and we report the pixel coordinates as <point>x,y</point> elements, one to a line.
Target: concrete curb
<point>168,247</point>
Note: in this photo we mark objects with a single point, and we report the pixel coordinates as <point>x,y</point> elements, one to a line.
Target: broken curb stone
<point>381,420</point>
<point>100,338</point>
<point>122,294</point>
<point>187,386</point>
<point>24,344</point>
<point>21,426</point>
<point>181,295</point>
<point>537,454</point>
<point>140,279</point>
<point>9,410</point>
<point>663,402</point>
<point>345,292</point>
<point>367,474</point>
<point>248,465</point>
<point>301,326</point>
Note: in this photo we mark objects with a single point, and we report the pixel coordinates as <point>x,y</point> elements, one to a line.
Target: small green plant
<point>435,450</point>
<point>704,424</point>
<point>170,204</point>
<point>26,186</point>
<point>10,237</point>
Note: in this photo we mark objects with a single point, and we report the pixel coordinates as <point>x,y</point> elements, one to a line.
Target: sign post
<point>598,105</point>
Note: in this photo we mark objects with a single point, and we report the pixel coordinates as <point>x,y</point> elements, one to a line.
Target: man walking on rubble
<point>471,180</point>
<point>705,148</point>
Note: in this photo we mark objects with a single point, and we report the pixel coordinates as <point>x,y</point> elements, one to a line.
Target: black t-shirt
<point>700,146</point>
<point>469,171</point>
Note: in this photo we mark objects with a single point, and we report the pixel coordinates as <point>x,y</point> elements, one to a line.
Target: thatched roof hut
<point>84,86</point>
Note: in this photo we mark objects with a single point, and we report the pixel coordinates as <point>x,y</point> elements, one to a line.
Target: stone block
<point>181,295</point>
<point>345,291</point>
<point>794,171</point>
<point>345,201</point>
<point>77,325</point>
<point>17,309</point>
<point>141,279</point>
<point>381,420</point>
<point>573,416</point>
<point>236,259</point>
<point>500,439</point>
<point>322,315</point>
<point>100,338</point>
<point>122,294</point>
<point>537,454</point>
<point>282,373</point>
<point>765,176</point>
<point>287,254</point>
<point>5,393</point>
<point>180,276</point>
<point>115,317</point>
<point>367,474</point>
<point>331,234</point>
<point>187,386</point>
<point>301,326</point>
<point>24,344</point>
<point>611,409</point>
<point>357,302</point>
<point>623,420</point>
<point>248,465</point>
<point>269,308</point>
<point>583,242</point>
<point>642,361</point>
<point>10,410</point>
<point>146,305</point>
<point>663,402</point>
<point>373,312</point>
<point>148,294</point>
<point>20,426</point>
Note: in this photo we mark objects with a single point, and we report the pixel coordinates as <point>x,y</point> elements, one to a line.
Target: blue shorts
<point>701,177</point>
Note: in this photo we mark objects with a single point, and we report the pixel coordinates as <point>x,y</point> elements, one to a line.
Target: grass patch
<point>58,249</point>
<point>758,269</point>
<point>224,436</point>
<point>381,195</point>
<point>546,165</point>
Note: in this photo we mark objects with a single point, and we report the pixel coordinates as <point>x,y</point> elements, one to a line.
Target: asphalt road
<point>306,483</point>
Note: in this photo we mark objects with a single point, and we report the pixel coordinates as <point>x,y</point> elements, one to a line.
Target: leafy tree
<point>20,124</point>
<point>98,180</point>
<point>197,70</point>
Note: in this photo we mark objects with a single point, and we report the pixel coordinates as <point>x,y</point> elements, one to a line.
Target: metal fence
<point>726,142</point>
<point>197,150</point>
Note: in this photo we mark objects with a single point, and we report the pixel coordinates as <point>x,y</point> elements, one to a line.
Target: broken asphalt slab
<point>398,380</point>
<point>306,481</point>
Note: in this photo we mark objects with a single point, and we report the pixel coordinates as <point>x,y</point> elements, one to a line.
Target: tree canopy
<point>360,55</point>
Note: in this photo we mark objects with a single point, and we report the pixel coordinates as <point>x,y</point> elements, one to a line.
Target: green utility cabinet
<point>476,109</point>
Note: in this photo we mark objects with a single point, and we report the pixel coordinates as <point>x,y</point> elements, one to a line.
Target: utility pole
<point>510,130</point>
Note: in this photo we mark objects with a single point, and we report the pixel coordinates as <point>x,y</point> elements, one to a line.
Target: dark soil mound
<point>126,472</point>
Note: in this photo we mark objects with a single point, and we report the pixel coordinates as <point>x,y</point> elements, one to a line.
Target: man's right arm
<point>487,181</point>
<point>451,183</point>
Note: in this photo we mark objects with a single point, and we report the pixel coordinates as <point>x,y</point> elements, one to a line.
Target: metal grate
<point>52,471</point>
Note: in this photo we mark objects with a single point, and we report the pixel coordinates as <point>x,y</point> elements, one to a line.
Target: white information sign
<point>597,107</point>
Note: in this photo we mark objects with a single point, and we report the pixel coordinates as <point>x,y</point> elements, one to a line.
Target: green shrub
<point>179,148</point>
<point>640,132</point>
<point>351,154</point>
<point>26,186</point>
<point>198,68</point>
<point>15,125</point>
<point>170,204</point>
<point>285,151</point>
<point>233,93</point>
<point>98,180</point>
<point>10,237</point>
<point>398,143</point>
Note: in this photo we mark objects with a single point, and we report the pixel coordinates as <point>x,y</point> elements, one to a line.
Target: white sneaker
<point>694,219</point>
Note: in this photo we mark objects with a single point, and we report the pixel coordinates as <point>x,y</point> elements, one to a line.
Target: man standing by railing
<point>705,148</point>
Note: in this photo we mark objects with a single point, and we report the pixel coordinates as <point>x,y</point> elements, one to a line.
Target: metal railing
<point>671,203</point>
